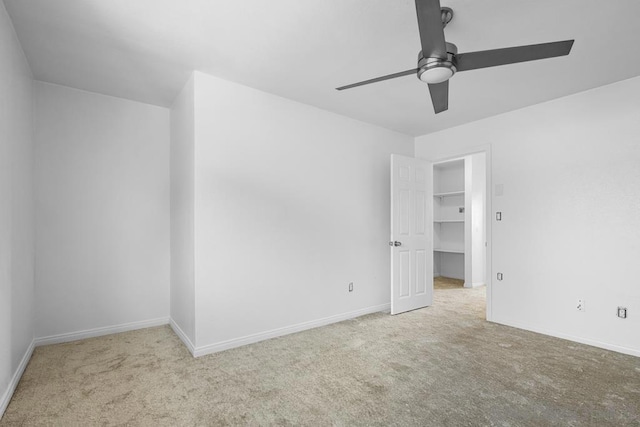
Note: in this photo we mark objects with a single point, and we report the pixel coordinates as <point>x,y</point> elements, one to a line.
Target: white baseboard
<point>250,339</point>
<point>8,394</point>
<point>185,339</point>
<point>581,340</point>
<point>97,332</point>
<point>477,284</point>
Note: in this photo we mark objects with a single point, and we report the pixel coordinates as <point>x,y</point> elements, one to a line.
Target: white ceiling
<point>302,49</point>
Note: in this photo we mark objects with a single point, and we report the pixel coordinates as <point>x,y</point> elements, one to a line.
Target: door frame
<point>457,153</point>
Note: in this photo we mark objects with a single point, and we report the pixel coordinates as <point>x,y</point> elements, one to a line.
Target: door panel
<point>405,273</point>
<point>411,234</point>
<point>421,270</point>
<point>404,208</point>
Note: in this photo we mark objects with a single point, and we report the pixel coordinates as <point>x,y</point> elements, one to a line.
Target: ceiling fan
<point>439,60</point>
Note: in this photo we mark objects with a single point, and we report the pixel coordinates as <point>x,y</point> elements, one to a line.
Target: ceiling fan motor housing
<point>438,70</point>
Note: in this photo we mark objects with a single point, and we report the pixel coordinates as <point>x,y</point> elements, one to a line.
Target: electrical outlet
<point>580,305</point>
<point>350,286</point>
<point>622,312</point>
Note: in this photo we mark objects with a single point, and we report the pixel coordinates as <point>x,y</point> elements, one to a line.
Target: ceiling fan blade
<point>512,55</point>
<point>431,29</point>
<point>379,79</point>
<point>440,96</point>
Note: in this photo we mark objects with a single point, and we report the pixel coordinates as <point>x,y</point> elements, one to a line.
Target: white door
<point>411,234</point>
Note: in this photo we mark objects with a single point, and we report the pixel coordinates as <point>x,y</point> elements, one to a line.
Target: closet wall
<point>449,219</point>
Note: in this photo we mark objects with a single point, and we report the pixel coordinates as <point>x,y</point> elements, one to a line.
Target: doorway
<point>439,227</point>
<point>459,235</point>
<point>461,226</point>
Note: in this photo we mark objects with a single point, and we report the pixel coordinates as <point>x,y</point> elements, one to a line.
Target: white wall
<point>182,214</point>
<point>571,224</point>
<point>102,213</point>
<point>451,265</point>
<point>291,204</point>
<point>448,177</point>
<point>16,211</point>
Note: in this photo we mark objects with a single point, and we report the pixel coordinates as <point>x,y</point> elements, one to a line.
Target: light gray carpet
<point>439,366</point>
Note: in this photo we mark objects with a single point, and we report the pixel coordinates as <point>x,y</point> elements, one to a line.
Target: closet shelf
<point>440,221</point>
<point>450,251</point>
<point>448,194</point>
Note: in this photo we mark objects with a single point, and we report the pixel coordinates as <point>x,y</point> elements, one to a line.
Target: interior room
<point>246,213</point>
<point>459,212</point>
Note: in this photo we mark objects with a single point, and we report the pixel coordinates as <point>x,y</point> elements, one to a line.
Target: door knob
<point>395,243</point>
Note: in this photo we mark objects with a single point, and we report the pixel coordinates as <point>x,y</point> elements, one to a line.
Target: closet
<point>459,230</point>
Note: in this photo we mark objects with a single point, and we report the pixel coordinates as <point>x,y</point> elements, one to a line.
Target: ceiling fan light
<point>435,75</point>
